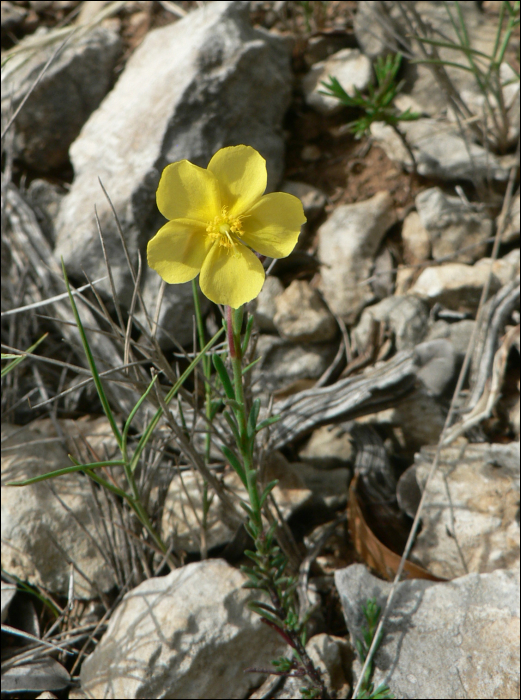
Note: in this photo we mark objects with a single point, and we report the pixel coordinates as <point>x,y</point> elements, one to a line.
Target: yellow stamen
<point>226,229</point>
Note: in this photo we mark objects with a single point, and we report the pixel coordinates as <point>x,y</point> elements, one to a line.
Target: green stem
<point>233,324</point>
<point>264,548</point>
<point>207,369</point>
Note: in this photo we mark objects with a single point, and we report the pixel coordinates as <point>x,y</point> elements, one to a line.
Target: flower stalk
<point>268,572</point>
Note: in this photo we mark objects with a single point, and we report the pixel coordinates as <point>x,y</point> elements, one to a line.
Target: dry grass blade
<point>37,42</point>
<point>51,300</point>
<point>32,638</point>
<point>44,70</point>
<point>26,235</point>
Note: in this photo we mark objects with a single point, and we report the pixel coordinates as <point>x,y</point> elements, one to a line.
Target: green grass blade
<point>251,365</point>
<point>439,62</point>
<point>92,364</point>
<point>173,391</point>
<point>449,45</point>
<point>18,358</point>
<point>133,413</point>
<point>27,588</point>
<point>110,487</point>
<point>66,470</point>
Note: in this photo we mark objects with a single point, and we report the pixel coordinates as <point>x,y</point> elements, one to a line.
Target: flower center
<point>226,229</point>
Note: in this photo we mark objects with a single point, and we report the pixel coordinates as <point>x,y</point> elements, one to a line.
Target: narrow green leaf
<point>269,488</point>
<point>253,417</point>
<point>109,486</point>
<point>18,358</point>
<point>92,364</point>
<point>267,608</point>
<point>27,588</point>
<point>182,417</point>
<point>235,463</point>
<point>215,406</point>
<point>252,530</point>
<point>252,605</point>
<point>234,404</point>
<point>254,556</point>
<point>247,334</point>
<point>268,421</point>
<point>66,470</point>
<point>252,585</point>
<point>134,411</point>
<point>233,426</point>
<point>251,365</point>
<point>247,508</point>
<point>223,376</point>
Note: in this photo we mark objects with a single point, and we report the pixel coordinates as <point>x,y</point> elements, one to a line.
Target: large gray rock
<point>458,333</point>
<point>469,522</point>
<point>347,245</point>
<point>416,239</point>
<point>453,225</point>
<point>441,151</point>
<point>442,640</point>
<point>185,635</point>
<point>47,525</point>
<point>263,307</point>
<point>302,316</point>
<point>284,363</point>
<point>406,316</point>
<point>186,92</point>
<point>71,89</point>
<point>504,269</point>
<point>455,285</point>
<point>329,447</point>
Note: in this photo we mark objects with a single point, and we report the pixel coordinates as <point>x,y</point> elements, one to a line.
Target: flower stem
<point>269,561</point>
<point>207,370</point>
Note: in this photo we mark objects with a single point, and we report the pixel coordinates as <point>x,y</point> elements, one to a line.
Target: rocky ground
<point>406,271</point>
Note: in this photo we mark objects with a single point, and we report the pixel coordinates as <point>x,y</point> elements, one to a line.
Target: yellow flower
<point>216,218</point>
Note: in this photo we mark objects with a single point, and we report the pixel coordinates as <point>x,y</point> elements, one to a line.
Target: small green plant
<point>268,572</point>
<point>371,612</point>
<point>377,105</point>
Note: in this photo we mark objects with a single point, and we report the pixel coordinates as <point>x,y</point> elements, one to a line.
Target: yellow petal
<point>231,279</point>
<point>272,226</point>
<point>188,192</point>
<point>242,176</point>
<point>178,250</point>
